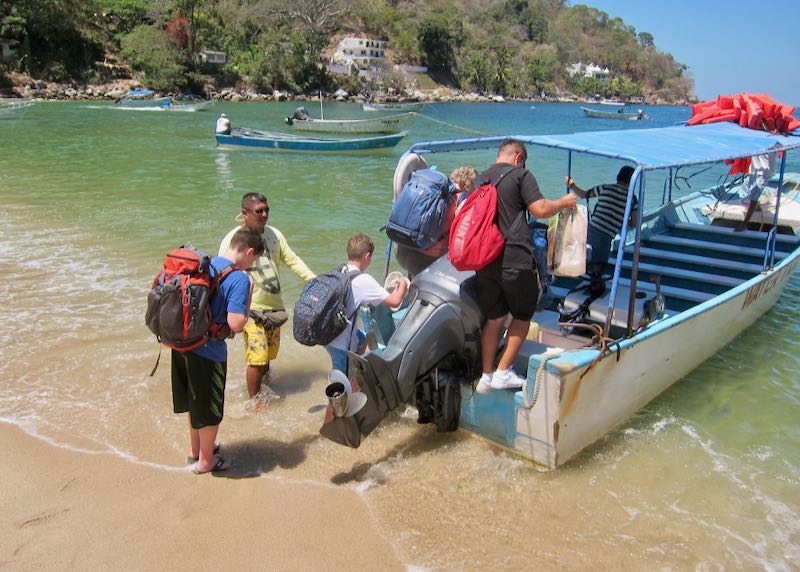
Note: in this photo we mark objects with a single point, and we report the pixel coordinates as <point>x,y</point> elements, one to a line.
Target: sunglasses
<point>260,212</point>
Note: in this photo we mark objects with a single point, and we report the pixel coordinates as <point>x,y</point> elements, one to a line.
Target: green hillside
<point>515,48</point>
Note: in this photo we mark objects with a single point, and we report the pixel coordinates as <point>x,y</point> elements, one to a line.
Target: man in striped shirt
<point>607,217</point>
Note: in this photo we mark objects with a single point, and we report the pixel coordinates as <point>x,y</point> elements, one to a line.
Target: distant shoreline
<point>52,91</point>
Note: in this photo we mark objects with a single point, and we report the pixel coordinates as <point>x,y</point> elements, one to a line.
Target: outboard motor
<point>434,349</point>
<point>300,114</point>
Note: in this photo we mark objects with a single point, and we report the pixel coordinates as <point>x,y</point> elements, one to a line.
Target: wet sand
<point>64,509</point>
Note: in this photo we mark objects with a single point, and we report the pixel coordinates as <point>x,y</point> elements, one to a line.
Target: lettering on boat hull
<point>765,286</point>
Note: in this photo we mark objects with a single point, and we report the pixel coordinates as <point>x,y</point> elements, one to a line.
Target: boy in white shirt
<point>365,290</point>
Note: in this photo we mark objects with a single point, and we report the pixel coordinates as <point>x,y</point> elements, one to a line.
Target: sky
<point>730,47</point>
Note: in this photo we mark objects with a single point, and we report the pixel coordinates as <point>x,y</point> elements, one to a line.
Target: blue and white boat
<point>683,286</point>
<point>254,139</point>
<point>618,114</point>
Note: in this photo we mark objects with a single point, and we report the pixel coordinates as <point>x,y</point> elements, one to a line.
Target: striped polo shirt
<point>609,212</point>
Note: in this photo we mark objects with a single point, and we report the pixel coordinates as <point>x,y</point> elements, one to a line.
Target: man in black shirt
<point>510,284</point>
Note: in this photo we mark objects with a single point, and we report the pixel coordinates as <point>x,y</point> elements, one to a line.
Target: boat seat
<point>733,251</point>
<point>784,242</point>
<point>693,297</point>
<point>697,260</point>
<point>675,292</point>
<point>684,274</point>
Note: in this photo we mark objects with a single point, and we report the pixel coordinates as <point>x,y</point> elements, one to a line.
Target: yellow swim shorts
<point>260,346</point>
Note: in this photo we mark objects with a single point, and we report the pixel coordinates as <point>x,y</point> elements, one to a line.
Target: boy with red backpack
<point>198,375</point>
<point>510,283</point>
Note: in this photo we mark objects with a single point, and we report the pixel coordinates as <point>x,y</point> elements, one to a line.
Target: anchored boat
<point>392,105</point>
<point>247,138</point>
<point>302,121</point>
<point>619,113</point>
<point>684,285</point>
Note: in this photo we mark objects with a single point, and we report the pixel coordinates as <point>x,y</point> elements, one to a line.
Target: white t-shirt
<point>366,290</point>
<point>223,125</point>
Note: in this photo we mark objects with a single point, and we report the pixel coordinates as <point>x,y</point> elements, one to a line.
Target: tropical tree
<point>58,38</point>
<point>437,44</point>
<point>542,67</point>
<point>500,74</point>
<point>646,40</point>
<point>148,50</point>
<point>476,72</point>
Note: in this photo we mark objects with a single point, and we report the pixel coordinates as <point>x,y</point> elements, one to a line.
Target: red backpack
<point>178,305</point>
<point>475,240</point>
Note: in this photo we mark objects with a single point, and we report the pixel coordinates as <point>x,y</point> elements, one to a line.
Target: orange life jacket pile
<point>748,110</point>
<point>754,111</point>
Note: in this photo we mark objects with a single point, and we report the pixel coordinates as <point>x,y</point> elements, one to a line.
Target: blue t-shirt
<point>231,297</point>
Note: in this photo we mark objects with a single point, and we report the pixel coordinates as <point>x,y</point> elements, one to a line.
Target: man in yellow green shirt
<point>267,310</point>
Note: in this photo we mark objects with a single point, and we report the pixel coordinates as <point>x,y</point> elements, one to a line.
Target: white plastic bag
<point>566,242</point>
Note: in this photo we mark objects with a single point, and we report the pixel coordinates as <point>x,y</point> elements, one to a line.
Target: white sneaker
<point>507,379</point>
<point>484,384</point>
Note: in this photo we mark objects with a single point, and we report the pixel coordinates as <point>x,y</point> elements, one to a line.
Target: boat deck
<point>695,262</point>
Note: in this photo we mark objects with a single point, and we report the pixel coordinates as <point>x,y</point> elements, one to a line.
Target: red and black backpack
<point>179,301</point>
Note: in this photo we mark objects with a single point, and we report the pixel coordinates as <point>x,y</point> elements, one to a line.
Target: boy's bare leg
<point>490,339</point>
<point>207,459</point>
<point>515,337</point>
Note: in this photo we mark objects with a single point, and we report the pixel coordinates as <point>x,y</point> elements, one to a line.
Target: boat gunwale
<point>583,357</point>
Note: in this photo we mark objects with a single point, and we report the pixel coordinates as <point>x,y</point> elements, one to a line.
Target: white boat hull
<point>387,124</point>
<point>393,106</point>
<point>618,115</point>
<point>572,413</point>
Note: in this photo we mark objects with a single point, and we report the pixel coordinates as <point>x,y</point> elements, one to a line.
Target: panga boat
<point>682,288</point>
<point>247,138</point>
<point>302,121</point>
<point>392,105</point>
<point>145,100</point>
<point>620,113</point>
<point>12,108</point>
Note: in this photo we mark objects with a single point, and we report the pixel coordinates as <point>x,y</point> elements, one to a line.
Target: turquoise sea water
<point>707,476</point>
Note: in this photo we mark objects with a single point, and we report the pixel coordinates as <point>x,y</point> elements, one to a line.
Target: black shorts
<point>198,386</point>
<point>508,290</point>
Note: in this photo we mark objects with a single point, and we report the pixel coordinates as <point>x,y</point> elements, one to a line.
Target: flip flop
<point>190,460</point>
<point>220,465</point>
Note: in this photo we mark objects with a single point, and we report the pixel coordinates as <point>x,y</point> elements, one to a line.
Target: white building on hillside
<point>363,53</point>
<point>211,58</point>
<point>590,70</point>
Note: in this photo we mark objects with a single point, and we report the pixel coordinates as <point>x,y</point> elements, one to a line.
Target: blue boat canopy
<point>140,92</point>
<point>656,148</point>
<point>664,147</point>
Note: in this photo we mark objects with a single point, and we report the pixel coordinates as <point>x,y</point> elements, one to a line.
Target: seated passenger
<point>223,125</point>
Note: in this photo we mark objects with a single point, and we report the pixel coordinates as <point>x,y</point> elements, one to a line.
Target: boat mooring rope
<point>539,381</point>
<point>598,340</point>
<point>465,129</point>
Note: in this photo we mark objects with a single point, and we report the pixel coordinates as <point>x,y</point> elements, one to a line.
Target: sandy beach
<point>64,509</point>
